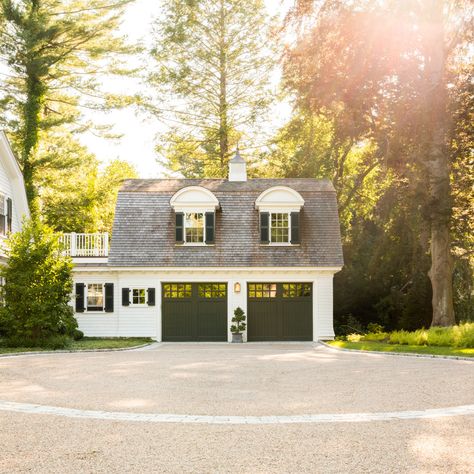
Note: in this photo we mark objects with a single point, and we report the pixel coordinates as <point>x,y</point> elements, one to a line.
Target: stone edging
<point>432,413</point>
<point>401,354</point>
<point>75,351</point>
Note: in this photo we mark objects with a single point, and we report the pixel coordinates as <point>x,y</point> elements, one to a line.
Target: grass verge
<point>88,343</point>
<point>383,347</point>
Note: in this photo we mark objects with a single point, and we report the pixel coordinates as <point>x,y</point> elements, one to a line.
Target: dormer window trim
<point>269,238</point>
<point>279,198</point>
<point>194,199</point>
<point>184,237</point>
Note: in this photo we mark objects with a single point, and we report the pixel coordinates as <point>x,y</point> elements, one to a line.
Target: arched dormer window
<point>195,208</point>
<point>279,211</point>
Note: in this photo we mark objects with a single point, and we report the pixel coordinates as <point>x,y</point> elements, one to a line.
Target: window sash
<point>194,228</point>
<point>3,215</point>
<point>280,227</point>
<point>138,296</point>
<point>95,297</point>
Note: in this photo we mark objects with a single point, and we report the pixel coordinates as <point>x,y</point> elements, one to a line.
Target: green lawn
<point>87,343</point>
<point>384,347</point>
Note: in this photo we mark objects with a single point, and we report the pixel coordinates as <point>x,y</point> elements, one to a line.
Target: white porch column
<point>159,310</point>
<point>323,327</point>
<point>72,244</point>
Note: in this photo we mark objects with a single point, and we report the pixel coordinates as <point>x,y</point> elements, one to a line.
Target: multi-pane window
<point>279,227</point>
<point>296,290</point>
<point>177,290</point>
<point>194,227</point>
<point>2,291</point>
<point>262,290</point>
<point>212,290</point>
<point>138,296</point>
<point>95,297</point>
<point>3,215</point>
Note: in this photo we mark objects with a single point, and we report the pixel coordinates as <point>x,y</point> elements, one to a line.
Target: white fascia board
<point>197,271</point>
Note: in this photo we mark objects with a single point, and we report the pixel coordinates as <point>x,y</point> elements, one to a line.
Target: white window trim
<point>196,244</point>
<point>3,212</point>
<point>130,297</point>
<point>86,298</point>
<point>279,244</point>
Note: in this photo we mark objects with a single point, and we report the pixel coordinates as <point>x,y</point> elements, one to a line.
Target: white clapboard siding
<point>145,321</point>
<point>323,307</point>
<point>7,191</point>
<point>100,324</point>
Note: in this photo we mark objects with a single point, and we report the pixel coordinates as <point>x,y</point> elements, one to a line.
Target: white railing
<point>85,245</point>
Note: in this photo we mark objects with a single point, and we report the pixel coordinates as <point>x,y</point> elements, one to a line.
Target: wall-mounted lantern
<point>237,287</point>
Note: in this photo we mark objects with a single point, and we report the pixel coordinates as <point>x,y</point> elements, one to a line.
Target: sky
<point>136,144</point>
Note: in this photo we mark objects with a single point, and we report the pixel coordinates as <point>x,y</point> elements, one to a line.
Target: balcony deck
<point>86,245</point>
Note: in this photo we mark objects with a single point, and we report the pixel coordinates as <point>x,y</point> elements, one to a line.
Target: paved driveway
<point>276,381</point>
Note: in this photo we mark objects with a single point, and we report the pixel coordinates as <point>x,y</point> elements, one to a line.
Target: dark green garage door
<point>194,312</point>
<point>280,312</point>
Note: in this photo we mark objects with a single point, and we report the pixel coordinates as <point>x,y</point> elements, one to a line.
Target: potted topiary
<point>238,326</point>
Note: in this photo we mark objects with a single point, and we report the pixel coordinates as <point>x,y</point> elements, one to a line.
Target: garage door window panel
<point>262,290</point>
<point>177,290</point>
<point>212,290</point>
<point>296,290</point>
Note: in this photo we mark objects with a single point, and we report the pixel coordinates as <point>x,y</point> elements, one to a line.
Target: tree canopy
<point>213,60</point>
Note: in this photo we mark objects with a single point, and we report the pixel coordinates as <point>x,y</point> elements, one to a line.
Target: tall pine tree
<point>213,63</point>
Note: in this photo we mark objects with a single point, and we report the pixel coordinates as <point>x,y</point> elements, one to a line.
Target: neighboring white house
<point>13,202</point>
<point>186,253</point>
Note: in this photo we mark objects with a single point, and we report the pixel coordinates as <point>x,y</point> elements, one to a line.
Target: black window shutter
<point>179,227</point>
<point>295,227</point>
<point>9,214</point>
<point>80,297</point>
<point>210,227</point>
<point>125,296</point>
<point>151,296</point>
<point>109,297</point>
<point>264,227</point>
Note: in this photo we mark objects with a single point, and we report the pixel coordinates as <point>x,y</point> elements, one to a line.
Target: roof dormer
<point>194,199</point>
<point>280,198</point>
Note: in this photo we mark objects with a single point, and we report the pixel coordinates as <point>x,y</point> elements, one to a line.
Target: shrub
<point>379,336</point>
<point>52,342</point>
<point>38,285</point>
<point>455,336</point>
<point>463,335</point>
<point>347,325</point>
<point>354,337</point>
<point>375,328</point>
<point>238,320</point>
<point>77,335</point>
<point>439,336</point>
<point>415,338</point>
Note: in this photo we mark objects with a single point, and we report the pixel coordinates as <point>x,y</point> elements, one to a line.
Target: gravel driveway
<point>235,380</point>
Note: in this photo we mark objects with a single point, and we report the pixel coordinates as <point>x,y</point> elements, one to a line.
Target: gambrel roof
<point>144,226</point>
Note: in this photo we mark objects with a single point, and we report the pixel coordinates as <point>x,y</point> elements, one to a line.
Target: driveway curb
<point>401,354</point>
<point>74,351</point>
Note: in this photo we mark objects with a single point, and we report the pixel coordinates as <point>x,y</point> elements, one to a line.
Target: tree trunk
<point>31,124</point>
<point>223,125</point>
<point>441,271</point>
<point>35,92</point>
